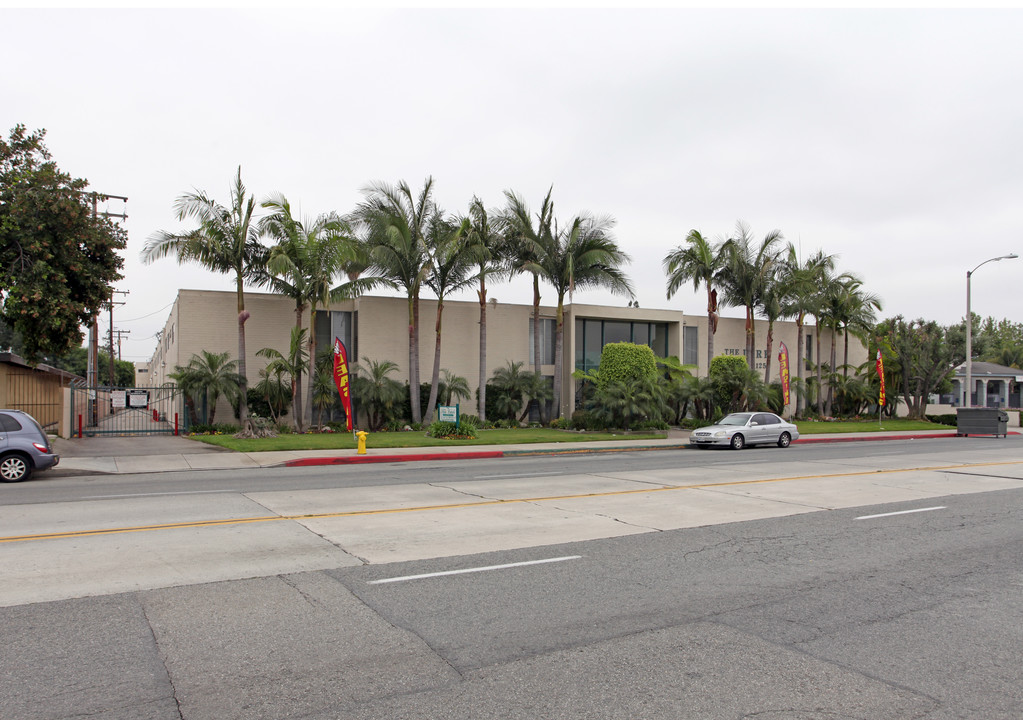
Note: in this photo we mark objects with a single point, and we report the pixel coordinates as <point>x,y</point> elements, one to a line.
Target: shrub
<point>693,423</point>
<point>626,362</point>
<point>214,429</point>
<point>506,423</point>
<point>450,430</point>
<point>946,419</point>
<point>652,425</point>
<point>284,428</point>
<point>561,423</point>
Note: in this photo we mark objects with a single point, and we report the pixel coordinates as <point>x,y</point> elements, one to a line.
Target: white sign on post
<point>447,413</point>
<point>118,399</point>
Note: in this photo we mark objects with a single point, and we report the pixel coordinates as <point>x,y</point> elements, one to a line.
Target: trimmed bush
<point>450,430</point>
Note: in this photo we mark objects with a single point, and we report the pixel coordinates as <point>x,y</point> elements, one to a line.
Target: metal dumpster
<point>981,421</point>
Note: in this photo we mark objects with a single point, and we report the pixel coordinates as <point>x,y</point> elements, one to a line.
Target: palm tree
<point>512,385</point>
<point>226,241</point>
<point>772,307</point>
<point>803,280</point>
<point>485,243</point>
<point>451,271</point>
<point>581,256</point>
<point>212,375</point>
<point>455,386</point>
<point>293,365</point>
<point>304,264</point>
<point>379,393</point>
<point>396,225</point>
<point>748,265</point>
<point>699,261</point>
<point>524,242</point>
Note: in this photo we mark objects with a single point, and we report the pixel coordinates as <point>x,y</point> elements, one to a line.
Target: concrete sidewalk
<point>192,455</point>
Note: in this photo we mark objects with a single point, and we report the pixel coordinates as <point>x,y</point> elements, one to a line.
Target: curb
<point>469,455</point>
<point>411,457</point>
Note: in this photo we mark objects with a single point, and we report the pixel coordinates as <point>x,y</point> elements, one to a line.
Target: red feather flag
<point>341,379</point>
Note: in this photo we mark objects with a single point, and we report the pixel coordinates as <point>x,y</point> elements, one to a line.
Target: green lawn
<point>342,441</point>
<point>865,426</point>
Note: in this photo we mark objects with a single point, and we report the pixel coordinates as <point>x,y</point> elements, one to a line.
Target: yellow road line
<point>480,503</point>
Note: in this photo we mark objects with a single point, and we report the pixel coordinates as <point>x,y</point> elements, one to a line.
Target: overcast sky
<point>893,139</point>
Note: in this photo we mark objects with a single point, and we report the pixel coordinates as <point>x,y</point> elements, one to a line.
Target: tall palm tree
<point>226,241</point>
<point>699,261</point>
<point>748,265</point>
<point>304,265</point>
<point>803,279</point>
<point>451,271</point>
<point>485,243</point>
<point>857,314</point>
<point>583,255</point>
<point>524,242</point>
<point>772,308</point>
<point>396,223</point>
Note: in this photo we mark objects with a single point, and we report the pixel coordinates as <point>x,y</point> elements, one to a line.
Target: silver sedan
<point>741,429</point>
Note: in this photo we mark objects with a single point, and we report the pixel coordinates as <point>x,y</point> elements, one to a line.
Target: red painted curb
<point>363,459</point>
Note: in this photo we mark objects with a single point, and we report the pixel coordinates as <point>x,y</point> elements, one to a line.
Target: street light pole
<point>968,401</point>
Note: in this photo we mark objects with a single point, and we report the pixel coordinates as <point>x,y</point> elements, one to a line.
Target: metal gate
<point>127,411</point>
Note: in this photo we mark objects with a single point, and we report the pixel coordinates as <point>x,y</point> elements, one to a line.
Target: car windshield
<point>735,419</point>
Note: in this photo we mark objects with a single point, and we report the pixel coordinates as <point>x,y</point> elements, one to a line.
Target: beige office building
<point>377,328</point>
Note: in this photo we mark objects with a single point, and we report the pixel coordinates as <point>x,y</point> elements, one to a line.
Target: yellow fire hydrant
<point>362,441</point>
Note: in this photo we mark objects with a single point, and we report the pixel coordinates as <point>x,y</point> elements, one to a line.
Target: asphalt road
<point>812,613</point>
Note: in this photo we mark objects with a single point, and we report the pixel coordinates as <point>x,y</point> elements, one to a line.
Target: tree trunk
<point>536,342</point>
<point>799,359</point>
<point>243,381</point>
<point>831,374</point>
<point>297,380</point>
<point>435,381</point>
<point>820,387</point>
<point>483,351</point>
<point>770,345</point>
<point>750,337</point>
<point>711,325</point>
<point>413,359</point>
<point>559,336</point>
<point>312,367</point>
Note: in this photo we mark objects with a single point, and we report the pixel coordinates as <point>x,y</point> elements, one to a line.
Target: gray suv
<point>24,447</point>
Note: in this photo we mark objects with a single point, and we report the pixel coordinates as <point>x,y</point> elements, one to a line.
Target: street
<point>646,585</point>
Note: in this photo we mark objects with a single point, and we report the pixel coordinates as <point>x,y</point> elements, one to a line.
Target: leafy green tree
<point>210,375</point>
<point>737,386</point>
<point>226,241</point>
<point>396,223</point>
<point>77,362</point>
<point>58,259</point>
<point>700,261</point>
<point>925,360</point>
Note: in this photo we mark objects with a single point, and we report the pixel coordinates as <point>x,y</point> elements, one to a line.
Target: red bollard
<point>156,416</point>
<point>175,423</point>
<point>79,427</point>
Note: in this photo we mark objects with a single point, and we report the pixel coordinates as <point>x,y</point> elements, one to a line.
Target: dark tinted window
<point>763,419</point>
<point>8,423</point>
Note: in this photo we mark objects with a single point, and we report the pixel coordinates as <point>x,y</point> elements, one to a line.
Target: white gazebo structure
<point>993,385</point>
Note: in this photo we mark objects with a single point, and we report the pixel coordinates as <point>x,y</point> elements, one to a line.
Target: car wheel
<point>738,441</point>
<point>14,468</point>
<point>785,440</point>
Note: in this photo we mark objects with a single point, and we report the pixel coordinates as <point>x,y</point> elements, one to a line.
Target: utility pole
<point>93,359</point>
<point>120,334</point>
<point>112,303</point>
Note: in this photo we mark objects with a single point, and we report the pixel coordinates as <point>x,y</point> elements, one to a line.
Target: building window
<point>547,328</point>
<point>592,335</point>
<point>690,345</point>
